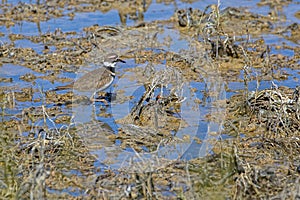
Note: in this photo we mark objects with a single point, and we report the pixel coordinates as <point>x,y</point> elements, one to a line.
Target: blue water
<point>155,11</point>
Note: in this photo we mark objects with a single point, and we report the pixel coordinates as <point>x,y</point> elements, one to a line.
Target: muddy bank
<point>47,154</point>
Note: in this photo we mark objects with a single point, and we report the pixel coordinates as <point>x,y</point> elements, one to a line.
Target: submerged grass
<point>259,161</point>
<point>33,165</point>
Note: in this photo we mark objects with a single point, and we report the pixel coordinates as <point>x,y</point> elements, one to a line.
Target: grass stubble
<point>259,161</point>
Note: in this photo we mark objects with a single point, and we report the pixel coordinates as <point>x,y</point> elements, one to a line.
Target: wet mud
<point>45,154</point>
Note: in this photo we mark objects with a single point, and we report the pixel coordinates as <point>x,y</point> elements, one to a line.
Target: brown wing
<point>92,80</point>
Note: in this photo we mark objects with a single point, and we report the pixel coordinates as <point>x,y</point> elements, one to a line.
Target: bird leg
<point>93,99</point>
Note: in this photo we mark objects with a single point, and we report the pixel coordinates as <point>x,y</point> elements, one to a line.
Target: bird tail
<point>63,87</point>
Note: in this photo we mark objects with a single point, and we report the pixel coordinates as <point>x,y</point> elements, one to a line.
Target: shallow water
<point>198,125</point>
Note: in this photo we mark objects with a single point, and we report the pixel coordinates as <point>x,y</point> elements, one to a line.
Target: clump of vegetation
<point>43,156</point>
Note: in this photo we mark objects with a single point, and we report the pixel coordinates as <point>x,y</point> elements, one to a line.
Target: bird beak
<point>120,60</point>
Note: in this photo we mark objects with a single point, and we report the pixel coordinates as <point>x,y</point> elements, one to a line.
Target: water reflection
<point>180,43</point>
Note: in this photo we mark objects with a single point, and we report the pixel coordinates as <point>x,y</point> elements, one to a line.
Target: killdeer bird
<point>98,79</point>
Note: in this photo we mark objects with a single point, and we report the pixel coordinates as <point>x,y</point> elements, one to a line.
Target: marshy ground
<point>236,67</point>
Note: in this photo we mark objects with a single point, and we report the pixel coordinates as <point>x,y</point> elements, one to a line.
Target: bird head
<point>111,60</point>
